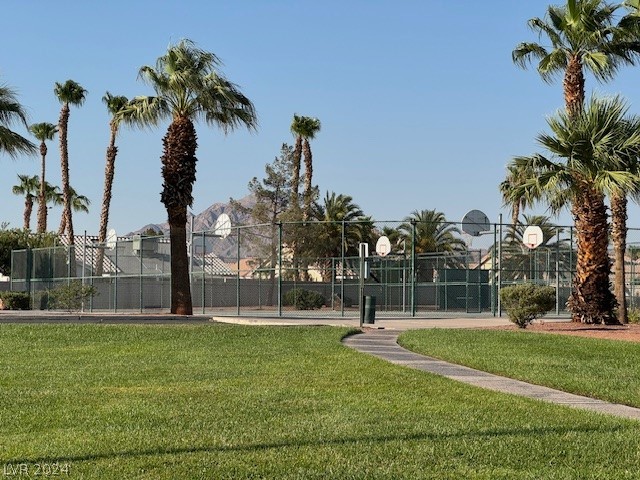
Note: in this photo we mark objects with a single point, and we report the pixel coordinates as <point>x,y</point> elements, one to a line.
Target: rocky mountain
<point>225,248</point>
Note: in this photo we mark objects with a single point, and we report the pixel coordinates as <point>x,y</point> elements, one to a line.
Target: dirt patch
<point>629,333</point>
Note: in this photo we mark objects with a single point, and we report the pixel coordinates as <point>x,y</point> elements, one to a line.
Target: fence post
<point>204,267</point>
<point>238,276</point>
<point>141,259</point>
<point>342,268</point>
<point>279,269</point>
<point>557,271</point>
<point>499,283</point>
<point>413,267</point>
<point>115,281</point>
<point>493,271</point>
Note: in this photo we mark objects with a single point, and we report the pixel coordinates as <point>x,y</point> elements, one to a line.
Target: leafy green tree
<point>12,112</point>
<point>115,104</point>
<point>43,131</point>
<point>28,186</point>
<point>18,239</point>
<point>69,93</point>
<point>272,195</point>
<point>584,165</point>
<point>188,87</point>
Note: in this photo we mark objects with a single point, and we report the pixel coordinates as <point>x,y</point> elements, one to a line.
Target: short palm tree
<point>329,243</point>
<point>188,87</point>
<point>584,165</point>
<point>43,131</point>
<point>68,93</point>
<point>583,34</point>
<point>28,186</point>
<point>115,104</point>
<point>12,112</point>
<point>433,233</point>
<point>517,262</point>
<point>79,203</point>
<point>515,177</point>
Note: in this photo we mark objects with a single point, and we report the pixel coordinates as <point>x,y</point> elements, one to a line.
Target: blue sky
<point>420,104</point>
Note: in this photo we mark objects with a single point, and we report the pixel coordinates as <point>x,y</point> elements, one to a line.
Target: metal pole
<point>141,258</point>
<point>115,281</point>
<point>238,276</point>
<point>493,271</point>
<point>84,265</point>
<point>557,271</point>
<point>499,263</point>
<point>413,267</point>
<point>342,267</point>
<point>279,269</point>
<point>204,265</point>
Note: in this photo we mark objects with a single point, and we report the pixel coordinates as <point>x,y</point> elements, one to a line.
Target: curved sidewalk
<point>383,344</point>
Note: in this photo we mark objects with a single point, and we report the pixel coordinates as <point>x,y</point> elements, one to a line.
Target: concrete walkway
<point>383,344</point>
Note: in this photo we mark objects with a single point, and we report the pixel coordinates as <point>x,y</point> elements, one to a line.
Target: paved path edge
<point>383,344</point>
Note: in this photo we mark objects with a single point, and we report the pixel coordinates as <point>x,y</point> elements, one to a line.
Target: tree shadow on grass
<point>318,443</point>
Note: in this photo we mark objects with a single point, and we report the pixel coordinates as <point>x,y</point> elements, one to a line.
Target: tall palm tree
<point>189,87</point>
<point>304,129</point>
<point>584,166</point>
<point>629,159</point>
<point>12,112</point>
<point>115,104</point>
<point>68,93</point>
<point>28,187</point>
<point>43,131</point>
<point>79,203</point>
<point>583,34</point>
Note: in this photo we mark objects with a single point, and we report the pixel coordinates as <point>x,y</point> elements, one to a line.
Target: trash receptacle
<point>369,309</point>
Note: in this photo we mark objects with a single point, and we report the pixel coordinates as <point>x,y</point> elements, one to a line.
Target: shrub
<point>14,301</point>
<point>70,297</point>
<point>634,315</point>
<point>303,299</point>
<point>526,302</point>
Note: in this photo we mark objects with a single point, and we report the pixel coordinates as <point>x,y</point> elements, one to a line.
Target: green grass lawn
<point>222,401</point>
<point>604,369</point>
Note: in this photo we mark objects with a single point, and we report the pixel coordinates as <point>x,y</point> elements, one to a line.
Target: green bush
<point>70,297</point>
<point>303,299</point>
<point>14,300</point>
<point>526,302</point>
<point>634,315</point>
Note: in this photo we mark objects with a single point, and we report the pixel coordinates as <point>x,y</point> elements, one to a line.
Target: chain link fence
<point>283,269</point>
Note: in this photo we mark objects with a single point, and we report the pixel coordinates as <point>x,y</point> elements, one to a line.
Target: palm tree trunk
<point>619,237</point>
<point>591,300</point>
<point>295,175</point>
<point>179,174</point>
<point>66,223</point>
<point>28,208</point>
<point>109,172</point>
<point>574,86</point>
<point>42,198</point>
<point>308,178</point>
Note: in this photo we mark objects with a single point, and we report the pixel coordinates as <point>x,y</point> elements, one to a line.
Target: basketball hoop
<point>532,237</point>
